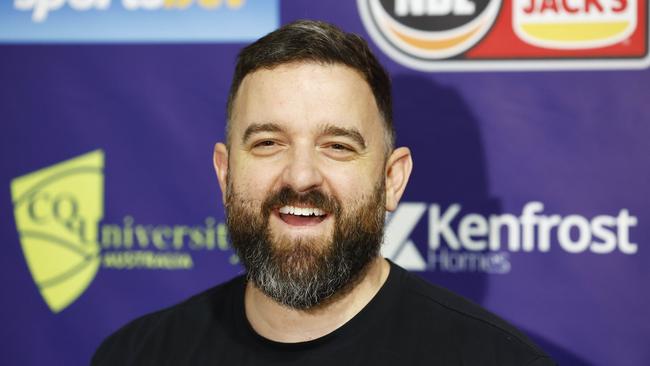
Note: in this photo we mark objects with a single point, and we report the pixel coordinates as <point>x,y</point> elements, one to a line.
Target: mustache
<point>287,196</point>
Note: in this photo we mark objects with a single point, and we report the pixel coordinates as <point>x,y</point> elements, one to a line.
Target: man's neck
<point>282,324</point>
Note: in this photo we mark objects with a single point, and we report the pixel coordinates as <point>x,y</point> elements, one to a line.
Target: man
<point>307,173</point>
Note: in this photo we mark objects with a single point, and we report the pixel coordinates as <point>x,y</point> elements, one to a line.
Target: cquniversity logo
<point>57,211</point>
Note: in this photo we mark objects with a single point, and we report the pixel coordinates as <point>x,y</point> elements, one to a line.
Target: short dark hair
<point>316,41</point>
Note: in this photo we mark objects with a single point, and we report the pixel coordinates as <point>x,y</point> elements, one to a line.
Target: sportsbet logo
<point>66,21</point>
<point>41,8</point>
<point>58,212</point>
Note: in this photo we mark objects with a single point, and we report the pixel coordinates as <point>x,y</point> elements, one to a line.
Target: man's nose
<point>302,172</point>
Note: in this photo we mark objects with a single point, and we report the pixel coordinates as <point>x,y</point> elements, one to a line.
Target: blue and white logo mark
<point>136,21</point>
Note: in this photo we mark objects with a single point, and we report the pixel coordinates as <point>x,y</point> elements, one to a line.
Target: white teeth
<point>301,211</point>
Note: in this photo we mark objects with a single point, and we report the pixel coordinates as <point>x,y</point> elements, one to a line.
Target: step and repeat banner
<point>529,123</point>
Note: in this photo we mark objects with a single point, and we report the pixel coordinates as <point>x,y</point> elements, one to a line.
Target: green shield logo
<point>57,211</point>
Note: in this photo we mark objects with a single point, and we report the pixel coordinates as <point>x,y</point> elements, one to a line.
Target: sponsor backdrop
<point>528,121</point>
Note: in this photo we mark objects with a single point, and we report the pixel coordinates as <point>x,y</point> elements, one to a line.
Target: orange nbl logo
<point>574,24</point>
<point>422,30</point>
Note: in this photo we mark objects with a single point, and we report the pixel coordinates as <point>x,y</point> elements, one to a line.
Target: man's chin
<point>298,264</point>
<point>300,283</point>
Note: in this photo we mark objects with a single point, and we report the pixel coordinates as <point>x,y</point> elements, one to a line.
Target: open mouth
<point>301,216</point>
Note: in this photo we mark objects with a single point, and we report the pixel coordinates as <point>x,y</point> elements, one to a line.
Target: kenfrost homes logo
<point>58,211</point>
<point>459,35</point>
<point>472,242</point>
<point>67,21</point>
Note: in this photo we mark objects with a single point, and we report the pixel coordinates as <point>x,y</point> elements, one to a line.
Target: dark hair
<point>309,40</point>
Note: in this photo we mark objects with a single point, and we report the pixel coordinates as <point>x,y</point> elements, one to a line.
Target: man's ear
<point>220,161</point>
<point>398,171</point>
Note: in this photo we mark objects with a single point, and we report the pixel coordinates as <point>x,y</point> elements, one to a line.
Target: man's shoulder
<point>463,325</point>
<point>185,320</point>
<point>444,300</point>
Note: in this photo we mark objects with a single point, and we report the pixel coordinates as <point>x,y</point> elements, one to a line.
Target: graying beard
<point>303,278</point>
<point>295,288</point>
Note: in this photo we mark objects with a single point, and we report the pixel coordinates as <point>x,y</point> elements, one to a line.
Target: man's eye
<point>265,147</point>
<point>340,151</point>
<point>265,143</point>
<point>340,147</point>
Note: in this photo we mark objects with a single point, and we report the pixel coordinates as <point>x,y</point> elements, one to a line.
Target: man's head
<point>322,43</point>
<point>309,169</point>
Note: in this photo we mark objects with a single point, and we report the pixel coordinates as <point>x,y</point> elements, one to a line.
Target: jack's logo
<point>458,35</point>
<point>57,211</point>
<point>567,24</point>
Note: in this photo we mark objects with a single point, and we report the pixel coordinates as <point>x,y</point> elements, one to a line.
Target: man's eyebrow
<point>352,133</point>
<point>260,127</point>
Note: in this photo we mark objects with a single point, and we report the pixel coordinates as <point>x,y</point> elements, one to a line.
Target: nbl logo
<point>422,30</point>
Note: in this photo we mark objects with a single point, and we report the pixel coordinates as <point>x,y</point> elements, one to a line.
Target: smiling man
<point>307,172</point>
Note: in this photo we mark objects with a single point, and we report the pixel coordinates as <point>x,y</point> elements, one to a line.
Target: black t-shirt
<point>408,322</point>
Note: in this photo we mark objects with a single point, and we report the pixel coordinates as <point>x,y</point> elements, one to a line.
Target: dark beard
<point>301,273</point>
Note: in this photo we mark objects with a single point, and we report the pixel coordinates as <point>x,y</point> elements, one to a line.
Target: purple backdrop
<point>485,143</point>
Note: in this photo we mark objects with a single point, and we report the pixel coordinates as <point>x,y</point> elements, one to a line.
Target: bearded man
<point>307,172</point>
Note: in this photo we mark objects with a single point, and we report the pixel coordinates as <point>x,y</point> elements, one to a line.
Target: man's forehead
<point>302,67</point>
<point>317,94</point>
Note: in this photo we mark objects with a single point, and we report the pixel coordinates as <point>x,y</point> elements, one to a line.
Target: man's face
<point>305,193</point>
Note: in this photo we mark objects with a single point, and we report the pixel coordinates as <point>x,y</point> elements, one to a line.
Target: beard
<point>304,272</point>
